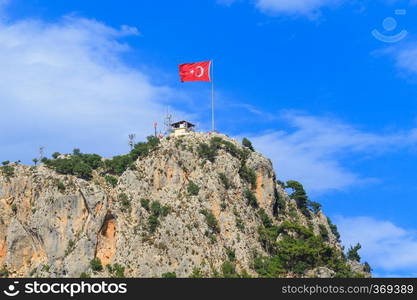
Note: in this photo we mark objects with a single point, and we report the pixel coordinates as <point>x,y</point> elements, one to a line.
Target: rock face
<point>320,272</point>
<point>55,225</point>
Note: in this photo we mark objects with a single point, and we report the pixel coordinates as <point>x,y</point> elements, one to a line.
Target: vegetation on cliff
<point>172,203</point>
<point>82,165</point>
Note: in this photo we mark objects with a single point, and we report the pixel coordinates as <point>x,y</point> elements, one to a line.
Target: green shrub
<point>268,238</point>
<point>145,203</point>
<point>209,151</point>
<point>83,171</point>
<point>239,224</point>
<point>70,247</point>
<point>14,208</point>
<point>94,161</point>
<point>165,210</point>
<point>211,220</point>
<point>300,267</point>
<point>60,185</point>
<point>153,223</point>
<point>46,268</point>
<point>55,155</point>
<point>250,198</point>
<point>169,275</point>
<point>116,271</point>
<point>156,208</point>
<point>315,206</point>
<point>225,181</point>
<point>248,175</point>
<point>197,273</point>
<point>295,228</point>
<point>192,188</point>
<point>279,202</point>
<point>144,148</point>
<point>229,147</point>
<point>84,275</point>
<point>4,273</point>
<point>110,180</point>
<point>333,229</point>
<point>266,220</point>
<point>281,184</point>
<point>223,205</point>
<point>323,232</point>
<point>96,265</point>
<point>366,267</point>
<point>206,152</point>
<point>231,254</point>
<point>268,267</point>
<point>8,171</point>
<point>119,164</point>
<point>247,144</point>
<point>5,163</point>
<point>229,270</point>
<point>353,254</point>
<point>124,201</point>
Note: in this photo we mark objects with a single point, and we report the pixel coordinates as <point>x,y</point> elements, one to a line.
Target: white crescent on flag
<point>201,71</point>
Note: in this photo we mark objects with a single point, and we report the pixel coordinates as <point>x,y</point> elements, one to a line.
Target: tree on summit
<point>247,144</point>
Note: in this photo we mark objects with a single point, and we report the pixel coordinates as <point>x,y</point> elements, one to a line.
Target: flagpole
<point>212,96</point>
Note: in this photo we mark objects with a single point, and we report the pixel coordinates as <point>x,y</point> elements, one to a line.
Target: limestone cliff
<point>177,209</point>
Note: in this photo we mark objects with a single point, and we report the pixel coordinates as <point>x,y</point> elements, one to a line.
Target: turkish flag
<point>199,71</point>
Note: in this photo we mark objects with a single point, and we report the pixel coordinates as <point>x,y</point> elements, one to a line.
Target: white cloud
<point>65,84</point>
<point>406,57</point>
<point>313,152</point>
<point>302,7</point>
<point>310,8</point>
<point>386,246</point>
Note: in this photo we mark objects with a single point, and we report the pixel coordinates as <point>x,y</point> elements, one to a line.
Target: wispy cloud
<point>406,57</point>
<point>65,84</point>
<point>309,8</point>
<point>314,150</point>
<point>386,246</point>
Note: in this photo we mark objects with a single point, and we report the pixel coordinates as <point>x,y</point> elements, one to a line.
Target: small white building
<point>182,128</point>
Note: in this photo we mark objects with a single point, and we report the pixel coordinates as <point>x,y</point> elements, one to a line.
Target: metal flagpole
<point>212,96</point>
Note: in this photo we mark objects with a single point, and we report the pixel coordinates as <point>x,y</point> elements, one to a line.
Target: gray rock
<point>320,272</point>
<point>48,232</point>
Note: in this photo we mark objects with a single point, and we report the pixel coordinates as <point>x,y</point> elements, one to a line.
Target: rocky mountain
<point>200,205</point>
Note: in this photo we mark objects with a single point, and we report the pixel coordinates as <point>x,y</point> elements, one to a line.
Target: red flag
<point>195,71</point>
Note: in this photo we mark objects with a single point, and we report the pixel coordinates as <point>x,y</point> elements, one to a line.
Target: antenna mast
<point>167,122</point>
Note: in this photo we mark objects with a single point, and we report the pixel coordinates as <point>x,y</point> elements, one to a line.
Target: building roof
<point>180,122</point>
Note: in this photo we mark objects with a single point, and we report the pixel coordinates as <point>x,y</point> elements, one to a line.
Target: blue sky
<point>330,104</point>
